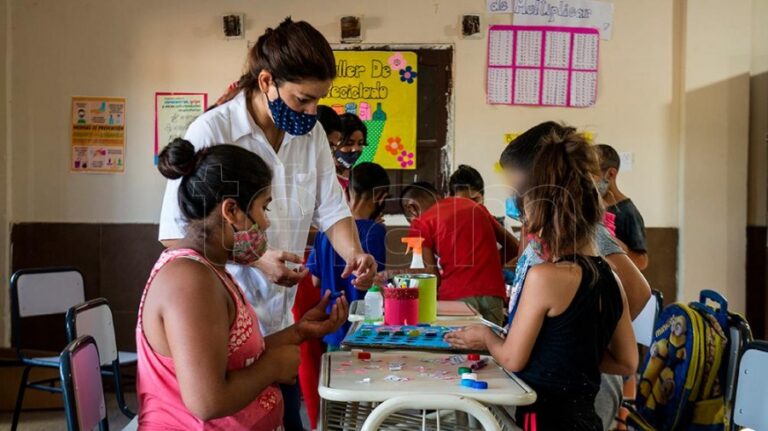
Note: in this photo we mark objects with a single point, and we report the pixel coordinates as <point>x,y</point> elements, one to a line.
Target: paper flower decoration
<point>396,61</point>
<point>407,74</point>
<point>406,159</point>
<point>394,145</point>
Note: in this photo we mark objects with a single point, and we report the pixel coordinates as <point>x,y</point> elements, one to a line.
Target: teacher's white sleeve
<point>330,204</point>
<point>172,224</point>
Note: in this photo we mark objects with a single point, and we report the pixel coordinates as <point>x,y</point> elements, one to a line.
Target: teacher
<point>272,112</point>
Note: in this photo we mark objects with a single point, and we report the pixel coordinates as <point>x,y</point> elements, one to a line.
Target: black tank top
<point>563,367</point>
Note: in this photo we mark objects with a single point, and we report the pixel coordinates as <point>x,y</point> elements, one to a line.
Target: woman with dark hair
<point>354,136</point>
<point>203,361</point>
<point>272,113</point>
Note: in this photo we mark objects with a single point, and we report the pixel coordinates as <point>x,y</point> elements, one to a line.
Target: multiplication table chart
<point>546,66</point>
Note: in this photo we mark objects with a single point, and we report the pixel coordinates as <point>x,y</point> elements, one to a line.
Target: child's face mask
<point>249,245</point>
<point>512,209</point>
<point>347,159</point>
<point>602,186</point>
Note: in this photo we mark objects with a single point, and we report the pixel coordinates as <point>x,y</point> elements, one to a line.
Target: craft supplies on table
<point>348,382</point>
<point>401,306</point>
<point>427,285</point>
<point>421,337</point>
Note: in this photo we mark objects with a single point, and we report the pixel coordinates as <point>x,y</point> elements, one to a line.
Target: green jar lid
<point>464,370</point>
<point>374,288</point>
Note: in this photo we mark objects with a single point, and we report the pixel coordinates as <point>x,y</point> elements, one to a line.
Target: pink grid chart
<point>542,66</point>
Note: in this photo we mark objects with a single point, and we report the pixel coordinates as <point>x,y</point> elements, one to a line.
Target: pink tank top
<point>159,395</point>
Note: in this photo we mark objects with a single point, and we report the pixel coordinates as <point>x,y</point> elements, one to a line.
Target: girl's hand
<point>316,322</point>
<point>470,337</point>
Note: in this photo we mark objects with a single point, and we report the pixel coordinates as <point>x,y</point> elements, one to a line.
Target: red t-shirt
<point>461,232</point>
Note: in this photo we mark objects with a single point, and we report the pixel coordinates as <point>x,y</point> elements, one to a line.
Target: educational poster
<point>542,66</point>
<point>509,137</point>
<point>571,13</point>
<point>381,88</point>
<point>174,112</point>
<point>98,135</point>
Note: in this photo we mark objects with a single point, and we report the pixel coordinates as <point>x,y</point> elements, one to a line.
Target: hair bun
<point>177,159</point>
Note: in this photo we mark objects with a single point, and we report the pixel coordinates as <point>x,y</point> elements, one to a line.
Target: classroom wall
<point>714,148</point>
<point>4,156</point>
<point>132,49</point>
<point>671,90</point>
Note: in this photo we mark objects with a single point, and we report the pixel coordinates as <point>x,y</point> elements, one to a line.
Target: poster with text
<point>380,87</point>
<point>98,135</point>
<point>570,13</point>
<point>174,112</point>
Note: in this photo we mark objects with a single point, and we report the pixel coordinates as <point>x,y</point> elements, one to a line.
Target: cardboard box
<point>10,376</point>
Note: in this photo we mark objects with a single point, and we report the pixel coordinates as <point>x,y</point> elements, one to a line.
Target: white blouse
<point>304,191</point>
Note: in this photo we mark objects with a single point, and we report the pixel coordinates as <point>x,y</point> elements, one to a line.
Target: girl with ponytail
<point>272,112</point>
<point>572,322</point>
<point>203,362</point>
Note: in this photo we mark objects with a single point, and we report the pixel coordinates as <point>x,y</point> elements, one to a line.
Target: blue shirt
<point>325,264</point>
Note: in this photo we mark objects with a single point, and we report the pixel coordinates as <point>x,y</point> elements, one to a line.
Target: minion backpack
<point>683,378</point>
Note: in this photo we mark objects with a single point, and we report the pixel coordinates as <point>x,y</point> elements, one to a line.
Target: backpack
<point>683,377</point>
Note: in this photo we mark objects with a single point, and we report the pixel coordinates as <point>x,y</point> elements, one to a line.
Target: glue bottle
<point>374,305</point>
<point>414,243</point>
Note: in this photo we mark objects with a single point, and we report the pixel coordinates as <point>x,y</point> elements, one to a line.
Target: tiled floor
<point>45,420</point>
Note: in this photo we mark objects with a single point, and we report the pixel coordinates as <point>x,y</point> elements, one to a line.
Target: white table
<point>431,384</point>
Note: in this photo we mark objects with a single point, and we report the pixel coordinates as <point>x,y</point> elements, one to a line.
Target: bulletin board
<point>542,65</point>
<point>381,88</point>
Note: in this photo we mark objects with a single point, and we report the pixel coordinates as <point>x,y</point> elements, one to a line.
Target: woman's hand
<point>273,265</point>
<point>363,266</point>
<point>470,337</point>
<point>316,323</point>
<point>285,360</point>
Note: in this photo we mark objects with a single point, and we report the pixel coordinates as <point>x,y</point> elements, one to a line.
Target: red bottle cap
<point>363,355</point>
<point>473,357</point>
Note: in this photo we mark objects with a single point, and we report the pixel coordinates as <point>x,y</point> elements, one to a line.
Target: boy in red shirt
<point>464,235</point>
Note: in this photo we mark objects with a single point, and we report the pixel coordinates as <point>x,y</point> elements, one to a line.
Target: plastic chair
<point>751,407</point>
<point>80,372</point>
<point>436,402</point>
<point>739,335</point>
<point>94,318</point>
<point>645,322</point>
<point>40,292</point>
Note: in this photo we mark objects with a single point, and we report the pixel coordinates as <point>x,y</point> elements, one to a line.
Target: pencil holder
<point>427,285</point>
<point>401,306</point>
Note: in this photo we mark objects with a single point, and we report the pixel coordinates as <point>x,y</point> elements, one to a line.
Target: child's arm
<point>639,258</point>
<point>513,352</point>
<point>509,244</point>
<point>621,356</point>
<point>636,287</point>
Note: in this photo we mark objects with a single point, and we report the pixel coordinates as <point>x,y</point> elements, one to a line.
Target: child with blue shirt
<point>368,189</point>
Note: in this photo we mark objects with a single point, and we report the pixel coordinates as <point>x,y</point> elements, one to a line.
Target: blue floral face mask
<point>288,120</point>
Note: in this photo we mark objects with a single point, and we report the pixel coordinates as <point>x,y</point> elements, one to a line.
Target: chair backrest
<point>80,372</point>
<point>751,407</point>
<point>94,318</point>
<point>43,291</point>
<point>645,322</point>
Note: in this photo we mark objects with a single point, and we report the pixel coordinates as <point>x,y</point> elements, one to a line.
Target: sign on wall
<point>97,135</point>
<point>174,112</point>
<point>571,13</point>
<point>381,88</point>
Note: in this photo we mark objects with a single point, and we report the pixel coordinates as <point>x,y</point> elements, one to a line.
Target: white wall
<point>715,141</point>
<point>132,49</point>
<point>674,89</point>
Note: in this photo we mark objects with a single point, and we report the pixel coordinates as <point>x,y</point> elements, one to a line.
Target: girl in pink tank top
<point>160,402</point>
<point>202,361</point>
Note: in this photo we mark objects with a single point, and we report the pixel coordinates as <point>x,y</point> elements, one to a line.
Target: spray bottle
<point>414,243</point>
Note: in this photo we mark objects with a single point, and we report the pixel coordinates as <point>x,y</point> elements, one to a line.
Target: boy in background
<point>466,182</point>
<point>464,235</point>
<point>630,227</point>
<point>368,189</point>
